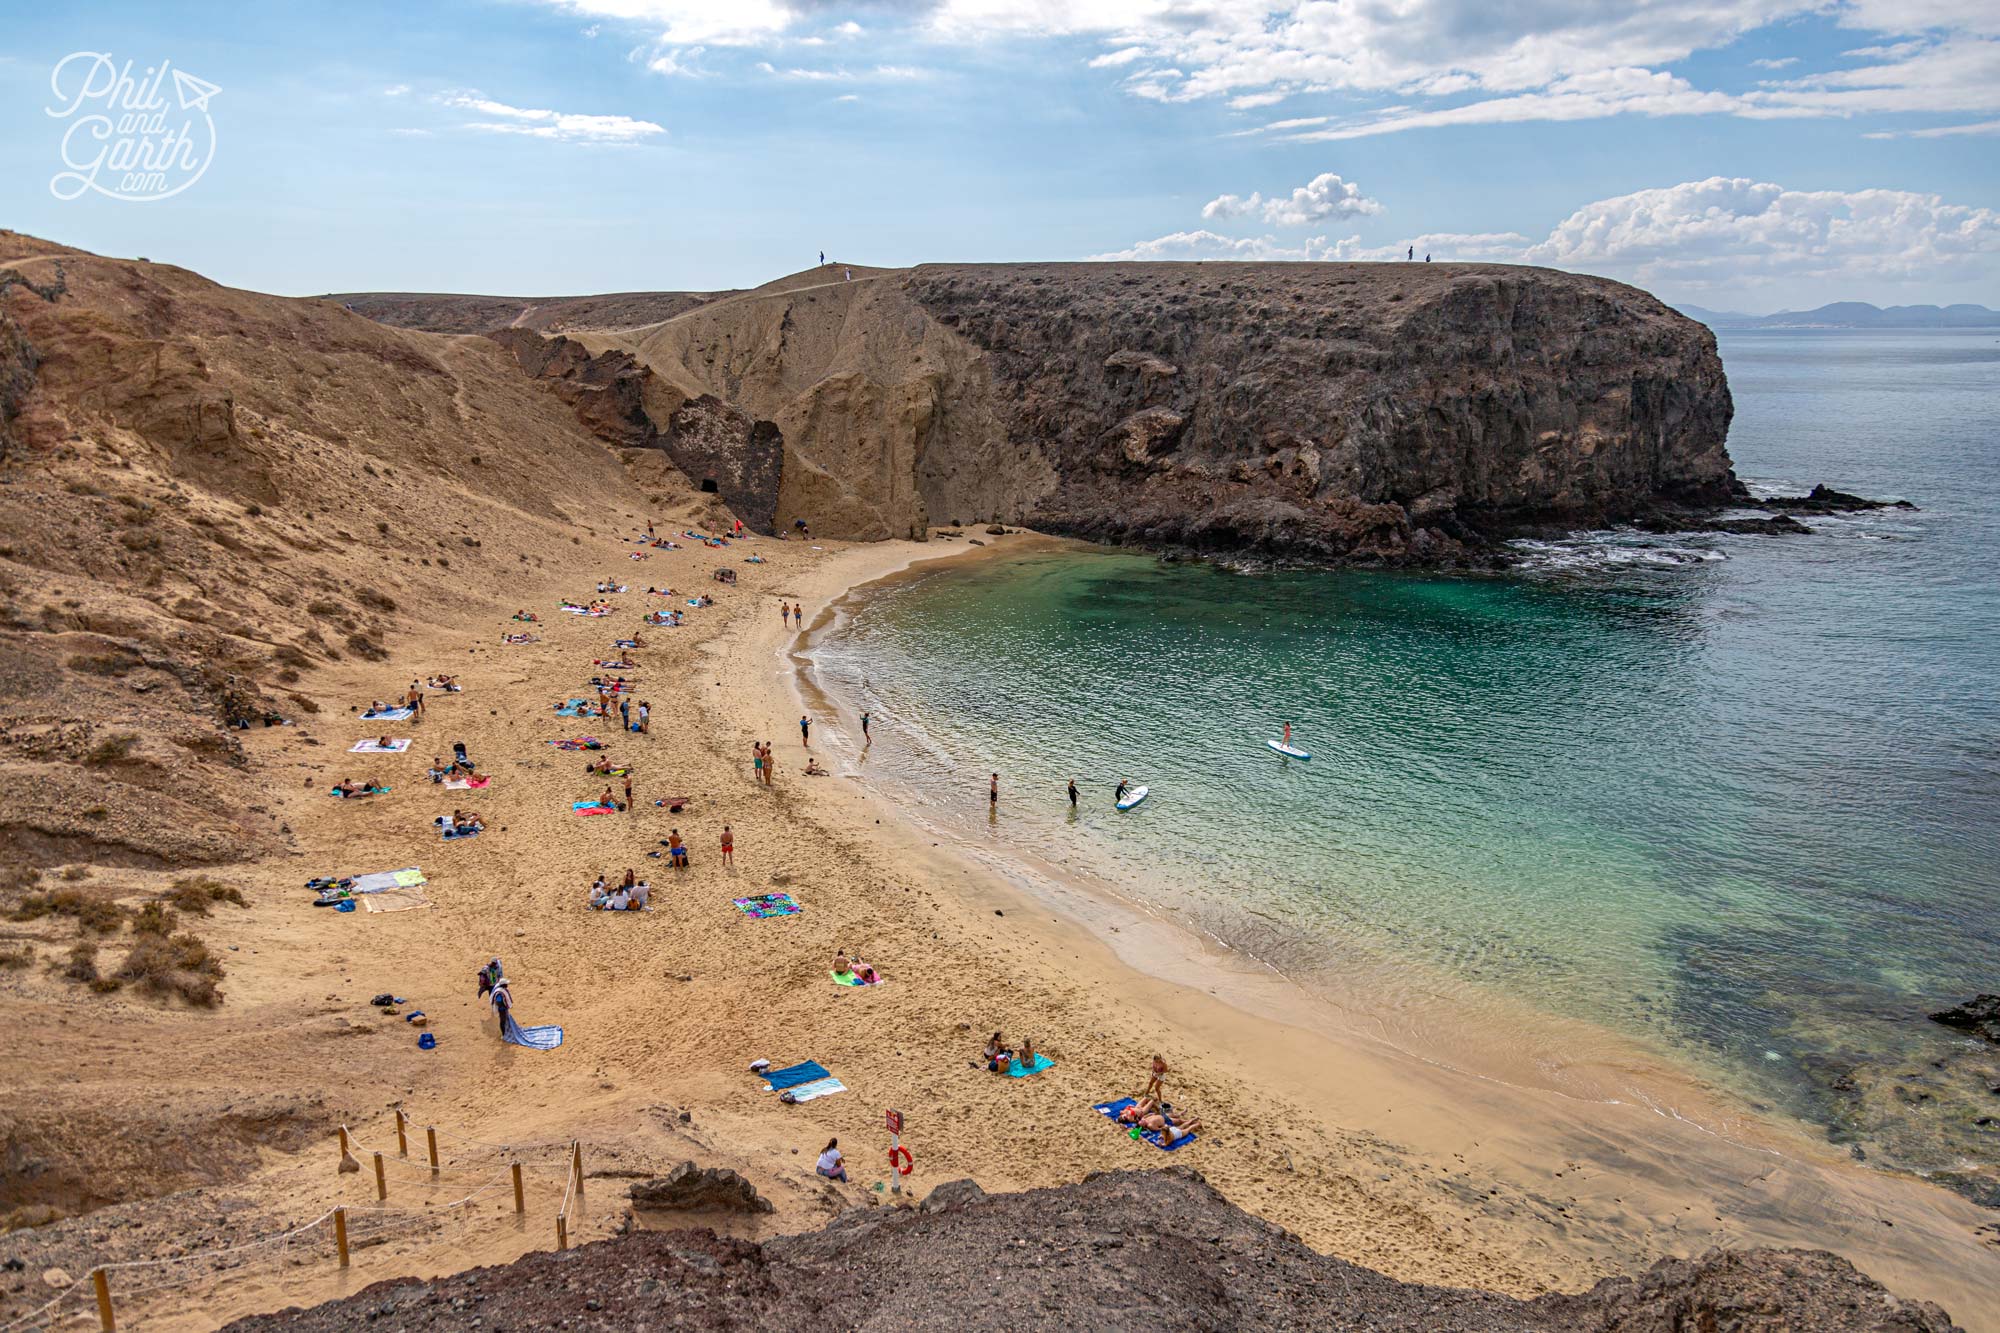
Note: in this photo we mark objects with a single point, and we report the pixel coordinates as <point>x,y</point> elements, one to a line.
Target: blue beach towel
<point>777,1080</point>
<point>1015,1069</point>
<point>1110,1110</point>
<point>545,1038</point>
<point>569,709</point>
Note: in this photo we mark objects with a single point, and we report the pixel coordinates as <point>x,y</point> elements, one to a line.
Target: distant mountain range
<point>1853,315</point>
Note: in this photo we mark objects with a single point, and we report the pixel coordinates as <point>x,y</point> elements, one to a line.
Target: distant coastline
<point>1852,315</point>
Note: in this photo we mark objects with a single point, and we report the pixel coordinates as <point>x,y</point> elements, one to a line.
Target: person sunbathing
<point>813,770</point>
<point>350,787</point>
<point>1138,1111</point>
<point>382,742</point>
<point>866,975</point>
<point>1163,1125</point>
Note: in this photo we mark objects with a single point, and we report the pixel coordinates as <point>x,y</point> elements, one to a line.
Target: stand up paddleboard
<point>1291,751</point>
<point>1133,797</point>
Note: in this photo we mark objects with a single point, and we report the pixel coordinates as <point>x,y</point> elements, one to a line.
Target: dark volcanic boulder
<point>1979,1016</point>
<point>690,1188</point>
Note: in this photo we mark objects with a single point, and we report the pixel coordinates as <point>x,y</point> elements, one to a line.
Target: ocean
<point>1734,799</point>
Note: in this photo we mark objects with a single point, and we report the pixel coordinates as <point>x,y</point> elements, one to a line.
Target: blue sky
<point>1745,154</point>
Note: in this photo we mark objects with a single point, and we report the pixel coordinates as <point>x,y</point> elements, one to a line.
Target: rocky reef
<point>1154,1251</point>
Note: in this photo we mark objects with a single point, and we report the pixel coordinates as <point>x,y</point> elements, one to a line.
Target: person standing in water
<point>805,731</point>
<point>1072,794</point>
<point>993,793</point>
<point>1124,785</point>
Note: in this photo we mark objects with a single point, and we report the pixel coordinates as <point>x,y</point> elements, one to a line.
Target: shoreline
<point>1418,1172</point>
<point>1796,1190</point>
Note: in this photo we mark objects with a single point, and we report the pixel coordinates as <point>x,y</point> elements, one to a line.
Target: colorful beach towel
<point>823,1087</point>
<point>580,743</point>
<point>574,708</point>
<point>1110,1110</point>
<point>768,904</point>
<point>545,1038</point>
<point>376,747</point>
<point>584,809</point>
<point>466,784</point>
<point>1015,1069</point>
<point>390,715</point>
<point>777,1080</point>
<point>357,795</point>
<point>407,878</point>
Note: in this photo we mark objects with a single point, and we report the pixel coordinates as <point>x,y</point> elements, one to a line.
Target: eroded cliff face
<point>1393,413</point>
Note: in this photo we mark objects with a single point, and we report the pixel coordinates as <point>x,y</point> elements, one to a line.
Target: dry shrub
<point>75,873</point>
<point>364,647</point>
<point>111,750</point>
<point>155,918</point>
<point>100,915</point>
<point>139,541</point>
<point>195,894</point>
<point>16,956</point>
<point>381,601</point>
<point>82,965</point>
<point>173,965</point>
<point>325,608</point>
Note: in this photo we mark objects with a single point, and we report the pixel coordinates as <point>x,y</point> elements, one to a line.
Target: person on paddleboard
<point>1288,735</point>
<point>1124,785</point>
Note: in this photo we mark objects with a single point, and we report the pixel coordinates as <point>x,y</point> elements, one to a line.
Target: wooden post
<point>562,1232</point>
<point>576,1164</point>
<point>343,1141</point>
<point>340,1234</point>
<point>102,1282</point>
<point>402,1138</point>
<point>520,1201</point>
<point>381,1180</point>
<point>430,1132</point>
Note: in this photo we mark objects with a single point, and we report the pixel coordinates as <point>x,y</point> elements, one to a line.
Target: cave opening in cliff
<point>708,485</point>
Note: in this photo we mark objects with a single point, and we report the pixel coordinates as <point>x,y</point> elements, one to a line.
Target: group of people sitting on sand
<point>459,823</point>
<point>529,616</point>
<point>609,586</point>
<point>449,684</point>
<point>594,607</point>
<point>630,896</point>
<point>668,618</point>
<point>604,767</point>
<point>1000,1058</point>
<point>1152,1113</point>
<point>440,770</point>
<point>850,973</point>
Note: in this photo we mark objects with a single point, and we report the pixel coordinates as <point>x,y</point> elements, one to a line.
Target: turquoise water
<point>1736,797</point>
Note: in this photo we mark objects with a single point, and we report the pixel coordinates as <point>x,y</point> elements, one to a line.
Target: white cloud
<point>1939,131</point>
<point>692,22</point>
<point>1231,206</point>
<point>566,127</point>
<point>1324,197</point>
<point>848,97</point>
<point>849,29</point>
<point>396,90</point>
<point>1736,232</point>
<point>1775,64</point>
<point>1504,246</point>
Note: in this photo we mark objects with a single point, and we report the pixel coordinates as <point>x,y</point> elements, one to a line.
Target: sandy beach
<point>1409,1167</point>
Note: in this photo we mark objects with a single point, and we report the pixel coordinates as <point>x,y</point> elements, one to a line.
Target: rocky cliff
<point>1393,413</point>
<point>1155,1251</point>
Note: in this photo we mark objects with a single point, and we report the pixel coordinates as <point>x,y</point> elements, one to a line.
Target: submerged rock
<point>1979,1016</point>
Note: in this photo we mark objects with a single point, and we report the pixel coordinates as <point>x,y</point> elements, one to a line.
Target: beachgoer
<point>1124,785</point>
<point>677,851</point>
<point>798,616</point>
<point>841,964</point>
<point>1427,258</point>
<point>770,763</point>
<point>866,975</point>
<point>606,801</point>
<point>785,613</point>
<point>997,1053</point>
<point>1026,1055</point>
<point>822,259</point>
<point>830,1164</point>
<point>728,846</point>
<point>1160,1122</point>
<point>757,760</point>
<point>625,713</point>
<point>598,892</point>
<point>1153,1085</point>
<point>645,718</point>
<point>1412,255</point>
<point>813,770</point>
<point>628,792</point>
<point>849,275</point>
<point>864,726</point>
<point>993,791</point>
<point>1072,793</point>
<point>489,977</point>
<point>805,730</point>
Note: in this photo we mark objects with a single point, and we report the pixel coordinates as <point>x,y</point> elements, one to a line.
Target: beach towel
<point>623,643</point>
<point>1110,1110</point>
<point>584,809</point>
<point>390,715</point>
<point>357,795</point>
<point>466,784</point>
<point>1015,1069</point>
<point>854,978</point>
<point>768,904</point>
<point>376,747</point>
<point>777,1080</point>
<point>453,835</point>
<point>545,1038</point>
<point>580,743</point>
<point>614,666</point>
<point>572,708</point>
<point>395,900</point>
<point>407,878</point>
<point>823,1087</point>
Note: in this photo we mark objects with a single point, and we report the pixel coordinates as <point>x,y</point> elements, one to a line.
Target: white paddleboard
<point>1291,750</point>
<point>1133,796</point>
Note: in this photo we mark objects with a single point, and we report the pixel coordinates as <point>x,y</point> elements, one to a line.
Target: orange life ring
<point>905,1164</point>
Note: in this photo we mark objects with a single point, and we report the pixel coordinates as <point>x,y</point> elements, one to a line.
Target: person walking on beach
<point>798,616</point>
<point>728,846</point>
<point>628,795</point>
<point>785,612</point>
<point>864,726</point>
<point>805,731</point>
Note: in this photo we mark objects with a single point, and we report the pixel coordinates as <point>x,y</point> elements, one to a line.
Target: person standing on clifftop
<point>1412,255</point>
<point>822,259</point>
